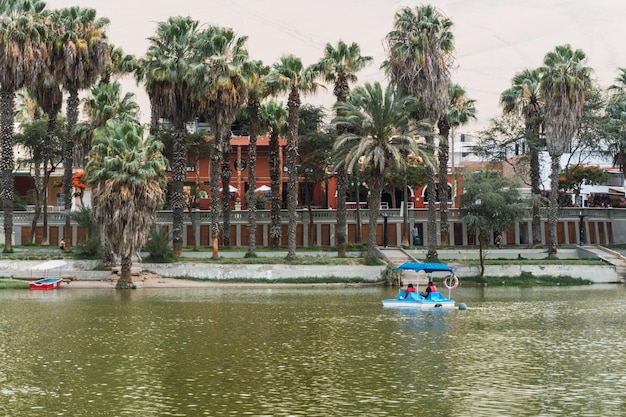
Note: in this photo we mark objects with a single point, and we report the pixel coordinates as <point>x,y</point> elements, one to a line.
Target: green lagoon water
<point>312,352</point>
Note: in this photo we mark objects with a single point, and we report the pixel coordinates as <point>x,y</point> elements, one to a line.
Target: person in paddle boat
<point>430,288</point>
<point>409,288</point>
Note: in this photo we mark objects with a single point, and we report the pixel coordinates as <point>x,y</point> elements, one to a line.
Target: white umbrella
<point>231,189</point>
<point>262,189</point>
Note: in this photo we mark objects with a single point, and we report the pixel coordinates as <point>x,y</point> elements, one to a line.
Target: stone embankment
<point>610,273</point>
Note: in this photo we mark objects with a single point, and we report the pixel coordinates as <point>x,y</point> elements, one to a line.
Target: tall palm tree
<point>256,91</point>
<point>291,77</point>
<point>222,91</point>
<point>81,45</point>
<point>460,111</point>
<point>419,60</point>
<point>564,81</point>
<point>377,138</point>
<point>616,113</point>
<point>339,66</point>
<point>127,174</point>
<point>524,98</point>
<point>167,68</point>
<point>22,36</point>
<point>273,118</point>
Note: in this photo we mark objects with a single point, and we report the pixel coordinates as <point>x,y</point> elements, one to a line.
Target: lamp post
<point>581,216</point>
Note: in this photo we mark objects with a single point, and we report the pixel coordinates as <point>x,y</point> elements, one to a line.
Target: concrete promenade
<point>613,272</point>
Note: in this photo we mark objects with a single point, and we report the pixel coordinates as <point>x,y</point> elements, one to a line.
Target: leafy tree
<point>490,203</point>
<point>575,176</point>
<point>44,154</point>
<point>378,138</point>
<point>564,82</point>
<point>127,175</point>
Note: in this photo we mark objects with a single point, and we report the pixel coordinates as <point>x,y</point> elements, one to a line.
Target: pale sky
<point>494,38</point>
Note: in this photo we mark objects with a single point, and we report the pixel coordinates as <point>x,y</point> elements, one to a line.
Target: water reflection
<point>311,352</point>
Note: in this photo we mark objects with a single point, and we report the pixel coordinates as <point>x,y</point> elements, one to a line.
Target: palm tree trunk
<point>535,179</point>
<point>405,209</point>
<point>125,282</point>
<point>7,162</point>
<point>253,111</point>
<point>374,211</point>
<point>431,194</point>
<point>38,203</point>
<point>342,237</point>
<point>226,175</point>
<point>216,165</point>
<point>177,197</point>
<point>293,104</point>
<point>47,161</point>
<point>68,162</point>
<point>444,151</point>
<point>275,226</point>
<point>553,212</point>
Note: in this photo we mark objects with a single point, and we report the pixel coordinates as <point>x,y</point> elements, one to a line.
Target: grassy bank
<point>12,284</point>
<point>526,279</point>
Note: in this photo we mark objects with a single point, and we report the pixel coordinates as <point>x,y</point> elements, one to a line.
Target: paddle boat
<point>47,283</point>
<point>434,299</point>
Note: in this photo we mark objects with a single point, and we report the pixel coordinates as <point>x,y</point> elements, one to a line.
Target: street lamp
<point>581,216</point>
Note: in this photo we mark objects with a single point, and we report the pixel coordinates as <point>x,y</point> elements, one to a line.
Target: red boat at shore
<point>46,284</point>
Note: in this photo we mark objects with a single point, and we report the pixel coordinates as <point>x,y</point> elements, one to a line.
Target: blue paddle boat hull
<point>415,300</point>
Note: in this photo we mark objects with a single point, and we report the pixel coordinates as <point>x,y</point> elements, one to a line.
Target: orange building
<point>199,173</point>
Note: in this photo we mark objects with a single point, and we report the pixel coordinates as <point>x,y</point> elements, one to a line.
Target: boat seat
<point>436,296</point>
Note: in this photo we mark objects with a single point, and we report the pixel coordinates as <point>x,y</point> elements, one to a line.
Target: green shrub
<point>158,246</point>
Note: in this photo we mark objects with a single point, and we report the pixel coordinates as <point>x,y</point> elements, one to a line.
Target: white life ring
<point>454,282</point>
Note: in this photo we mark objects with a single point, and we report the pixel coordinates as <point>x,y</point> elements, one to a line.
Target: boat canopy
<point>49,265</point>
<point>427,267</point>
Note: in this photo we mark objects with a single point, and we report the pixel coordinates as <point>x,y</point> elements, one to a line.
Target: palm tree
<point>616,114</point>
<point>81,49</point>
<point>273,117</point>
<point>291,77</point>
<point>222,91</point>
<point>127,174</point>
<point>167,68</point>
<point>256,91</point>
<point>564,81</point>
<point>524,98</point>
<point>339,66</point>
<point>419,61</point>
<point>460,110</point>
<point>103,104</point>
<point>377,138</point>
<point>22,35</point>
